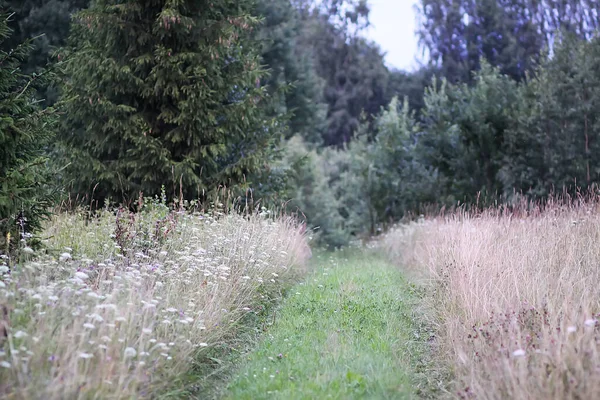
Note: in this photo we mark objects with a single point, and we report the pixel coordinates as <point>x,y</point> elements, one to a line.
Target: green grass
<point>210,374</point>
<point>348,332</point>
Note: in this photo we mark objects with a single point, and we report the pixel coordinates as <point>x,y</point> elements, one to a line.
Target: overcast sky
<point>393,28</point>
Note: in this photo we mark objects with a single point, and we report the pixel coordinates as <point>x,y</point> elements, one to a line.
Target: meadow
<point>292,105</point>
<point>120,305</point>
<point>513,296</point>
<point>489,305</point>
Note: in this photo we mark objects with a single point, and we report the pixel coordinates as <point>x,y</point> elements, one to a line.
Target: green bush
<point>311,196</point>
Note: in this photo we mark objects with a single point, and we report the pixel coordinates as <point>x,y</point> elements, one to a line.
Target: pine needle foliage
<point>164,93</point>
<point>25,133</point>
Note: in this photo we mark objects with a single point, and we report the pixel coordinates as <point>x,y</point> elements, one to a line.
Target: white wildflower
<point>28,250</point>
<point>65,257</point>
<point>130,352</point>
<point>95,317</point>
<point>518,353</point>
<point>81,275</point>
<point>571,329</point>
<point>87,325</point>
<point>20,334</point>
<point>147,330</point>
<point>590,322</point>
<point>5,364</point>
<point>85,355</point>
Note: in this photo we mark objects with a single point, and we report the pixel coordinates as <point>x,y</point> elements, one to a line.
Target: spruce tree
<point>163,92</point>
<point>25,131</point>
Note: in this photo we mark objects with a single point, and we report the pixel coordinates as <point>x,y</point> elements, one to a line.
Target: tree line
<point>286,101</point>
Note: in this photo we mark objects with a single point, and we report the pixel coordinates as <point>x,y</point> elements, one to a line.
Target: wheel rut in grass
<point>348,332</point>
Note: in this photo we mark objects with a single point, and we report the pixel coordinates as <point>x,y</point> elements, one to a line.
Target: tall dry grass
<point>515,297</point>
<point>130,300</point>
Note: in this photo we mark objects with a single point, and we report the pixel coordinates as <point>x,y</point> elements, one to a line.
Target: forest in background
<point>285,102</point>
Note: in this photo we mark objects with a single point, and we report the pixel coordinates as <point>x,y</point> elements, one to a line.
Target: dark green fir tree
<point>25,132</point>
<point>164,92</point>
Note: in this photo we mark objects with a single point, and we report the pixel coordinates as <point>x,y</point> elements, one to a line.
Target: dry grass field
<point>515,298</point>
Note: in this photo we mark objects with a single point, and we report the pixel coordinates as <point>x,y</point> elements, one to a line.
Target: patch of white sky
<point>393,27</point>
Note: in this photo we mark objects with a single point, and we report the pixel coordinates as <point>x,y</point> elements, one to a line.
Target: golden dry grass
<point>515,297</point>
<point>125,307</point>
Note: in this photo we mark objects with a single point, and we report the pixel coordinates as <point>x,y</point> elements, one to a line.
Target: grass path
<point>348,332</point>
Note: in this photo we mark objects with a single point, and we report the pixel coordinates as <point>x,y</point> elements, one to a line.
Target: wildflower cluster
<point>95,318</point>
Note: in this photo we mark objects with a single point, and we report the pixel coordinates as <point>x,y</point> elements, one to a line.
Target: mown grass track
<point>347,332</point>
